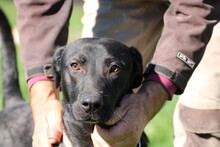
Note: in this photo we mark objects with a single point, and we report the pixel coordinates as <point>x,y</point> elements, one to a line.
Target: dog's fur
<point>94,74</point>
<point>16,123</point>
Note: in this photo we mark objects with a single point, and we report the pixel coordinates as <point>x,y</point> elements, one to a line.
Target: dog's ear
<point>138,67</point>
<point>56,66</point>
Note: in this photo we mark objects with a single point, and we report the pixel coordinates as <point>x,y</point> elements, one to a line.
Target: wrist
<point>43,93</point>
<point>153,97</point>
<point>163,76</point>
<point>34,79</point>
<point>165,82</point>
<point>43,90</point>
<point>154,91</point>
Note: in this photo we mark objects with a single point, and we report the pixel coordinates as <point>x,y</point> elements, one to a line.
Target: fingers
<point>116,133</point>
<point>97,140</point>
<point>117,116</point>
<point>40,135</point>
<point>119,113</point>
<point>44,134</point>
<point>47,114</point>
<point>113,140</point>
<point>54,136</point>
<point>54,121</point>
<point>127,122</point>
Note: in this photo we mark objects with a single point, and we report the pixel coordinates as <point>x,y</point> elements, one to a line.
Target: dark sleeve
<point>43,26</point>
<point>188,26</point>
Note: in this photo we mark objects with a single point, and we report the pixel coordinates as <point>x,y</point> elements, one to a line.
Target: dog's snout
<point>91,103</point>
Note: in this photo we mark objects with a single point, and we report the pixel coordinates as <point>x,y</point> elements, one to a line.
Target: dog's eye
<point>75,66</point>
<point>114,69</point>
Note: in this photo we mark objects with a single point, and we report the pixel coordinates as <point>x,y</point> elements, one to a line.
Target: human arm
<point>134,114</point>
<point>187,29</point>
<point>42,26</point>
<point>47,113</point>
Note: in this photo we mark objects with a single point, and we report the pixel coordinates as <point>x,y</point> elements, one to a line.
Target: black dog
<point>94,74</point>
<point>16,123</point>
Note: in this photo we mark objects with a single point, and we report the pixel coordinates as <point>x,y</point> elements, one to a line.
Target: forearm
<point>187,29</point>
<point>41,92</point>
<point>42,25</point>
<point>153,96</point>
<point>47,114</point>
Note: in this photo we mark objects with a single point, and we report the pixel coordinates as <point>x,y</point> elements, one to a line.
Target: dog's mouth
<point>94,118</point>
<point>92,121</point>
<point>101,123</point>
<point>97,117</point>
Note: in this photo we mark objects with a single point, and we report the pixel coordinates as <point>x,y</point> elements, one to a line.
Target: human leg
<point>135,23</point>
<point>196,118</point>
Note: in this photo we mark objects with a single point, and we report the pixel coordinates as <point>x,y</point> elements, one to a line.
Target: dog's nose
<point>91,103</point>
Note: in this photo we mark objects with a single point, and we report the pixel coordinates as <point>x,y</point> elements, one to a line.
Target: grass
<point>159,130</point>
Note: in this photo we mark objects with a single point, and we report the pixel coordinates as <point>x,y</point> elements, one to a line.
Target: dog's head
<point>95,74</point>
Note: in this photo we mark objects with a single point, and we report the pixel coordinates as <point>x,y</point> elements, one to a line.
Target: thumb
<point>118,115</point>
<point>54,136</point>
<point>119,112</point>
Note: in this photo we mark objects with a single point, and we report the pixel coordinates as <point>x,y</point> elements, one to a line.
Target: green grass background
<point>159,130</point>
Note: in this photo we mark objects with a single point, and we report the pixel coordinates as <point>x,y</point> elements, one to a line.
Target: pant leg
<point>197,114</point>
<point>134,22</point>
<point>192,130</point>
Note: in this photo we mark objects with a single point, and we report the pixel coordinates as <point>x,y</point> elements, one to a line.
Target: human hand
<point>130,119</point>
<point>129,123</point>
<point>47,114</point>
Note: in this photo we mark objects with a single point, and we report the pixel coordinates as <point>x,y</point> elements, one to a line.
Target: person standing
<point>43,26</point>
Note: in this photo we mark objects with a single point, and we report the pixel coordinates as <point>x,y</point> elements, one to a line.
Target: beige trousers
<point>197,114</point>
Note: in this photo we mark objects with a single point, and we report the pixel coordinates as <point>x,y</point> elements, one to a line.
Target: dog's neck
<point>66,142</point>
<point>76,133</point>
